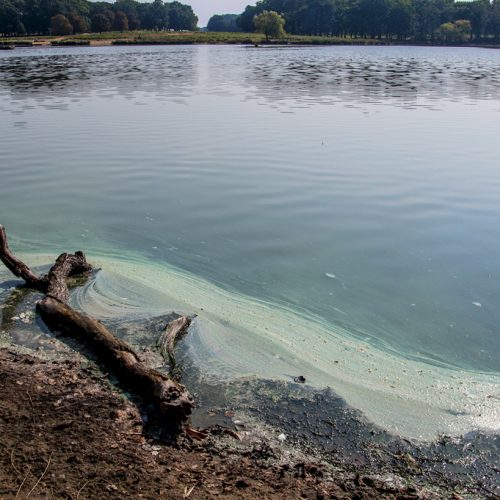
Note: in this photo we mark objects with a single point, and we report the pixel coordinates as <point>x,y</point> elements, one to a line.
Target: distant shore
<point>210,38</point>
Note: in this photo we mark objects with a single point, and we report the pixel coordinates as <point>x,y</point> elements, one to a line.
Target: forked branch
<point>171,398</point>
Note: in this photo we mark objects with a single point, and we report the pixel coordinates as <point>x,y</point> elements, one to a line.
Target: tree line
<point>405,20</point>
<point>64,17</point>
<point>224,22</point>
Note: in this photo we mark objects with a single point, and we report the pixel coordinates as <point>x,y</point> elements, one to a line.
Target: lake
<point>330,212</point>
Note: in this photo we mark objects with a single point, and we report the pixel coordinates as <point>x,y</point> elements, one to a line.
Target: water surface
<point>330,211</point>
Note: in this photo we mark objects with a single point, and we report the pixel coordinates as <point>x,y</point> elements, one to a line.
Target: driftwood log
<point>172,398</point>
<point>166,343</point>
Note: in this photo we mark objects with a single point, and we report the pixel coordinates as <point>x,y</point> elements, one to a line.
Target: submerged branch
<point>166,343</point>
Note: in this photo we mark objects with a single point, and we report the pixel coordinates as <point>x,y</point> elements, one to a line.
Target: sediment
<point>67,433</point>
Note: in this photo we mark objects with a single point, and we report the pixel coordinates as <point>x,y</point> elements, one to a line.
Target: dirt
<point>67,433</point>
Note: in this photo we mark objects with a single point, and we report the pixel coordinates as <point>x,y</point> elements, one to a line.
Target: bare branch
<point>172,398</point>
<point>18,267</point>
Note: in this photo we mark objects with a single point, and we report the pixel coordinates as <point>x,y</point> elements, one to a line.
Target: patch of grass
<point>107,36</point>
<point>165,37</point>
<point>191,38</point>
<point>143,37</point>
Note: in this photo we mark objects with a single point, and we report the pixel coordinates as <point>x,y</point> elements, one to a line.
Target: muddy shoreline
<point>69,430</point>
<point>68,433</point>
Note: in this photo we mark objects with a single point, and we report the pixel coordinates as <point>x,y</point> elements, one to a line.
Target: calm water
<point>341,203</point>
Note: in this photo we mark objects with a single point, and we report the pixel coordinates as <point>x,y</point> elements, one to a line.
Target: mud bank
<point>68,433</point>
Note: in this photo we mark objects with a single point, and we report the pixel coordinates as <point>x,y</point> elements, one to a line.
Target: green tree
<point>10,18</point>
<point>457,32</point>
<point>100,7</point>
<point>60,25</point>
<point>464,29</point>
<point>37,14</point>
<point>399,19</point>
<point>319,17</point>
<point>479,18</point>
<point>130,8</point>
<point>121,21</point>
<point>494,20</point>
<point>429,16</point>
<point>154,16</point>
<point>374,15</point>
<point>110,15</point>
<point>245,19</point>
<point>223,22</point>
<point>270,23</point>
<point>100,23</point>
<point>447,32</point>
<point>181,17</point>
<point>80,24</point>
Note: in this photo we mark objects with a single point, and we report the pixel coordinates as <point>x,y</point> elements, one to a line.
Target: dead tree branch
<point>171,398</point>
<point>19,268</point>
<point>166,343</point>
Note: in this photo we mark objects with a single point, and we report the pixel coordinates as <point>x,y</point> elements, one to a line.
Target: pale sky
<point>205,9</point>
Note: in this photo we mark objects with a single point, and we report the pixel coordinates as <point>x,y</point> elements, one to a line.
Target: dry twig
<point>188,492</point>
<point>40,478</point>
<point>81,489</point>
<point>198,435</point>
<point>12,461</point>
<point>22,484</point>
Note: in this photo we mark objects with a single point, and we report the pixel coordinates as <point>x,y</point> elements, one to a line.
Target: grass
<point>16,41</point>
<point>143,37</point>
<point>171,37</point>
<point>149,37</point>
<point>175,37</point>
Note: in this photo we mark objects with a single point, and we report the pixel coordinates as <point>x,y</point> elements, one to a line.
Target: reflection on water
<point>357,186</point>
<point>376,77</point>
<point>58,75</point>
<point>385,75</point>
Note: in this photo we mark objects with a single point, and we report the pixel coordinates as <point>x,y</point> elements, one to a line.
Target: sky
<point>205,9</point>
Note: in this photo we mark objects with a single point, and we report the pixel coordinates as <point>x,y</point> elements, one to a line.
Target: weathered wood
<point>66,265</point>
<point>19,268</point>
<point>166,343</point>
<point>172,398</point>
